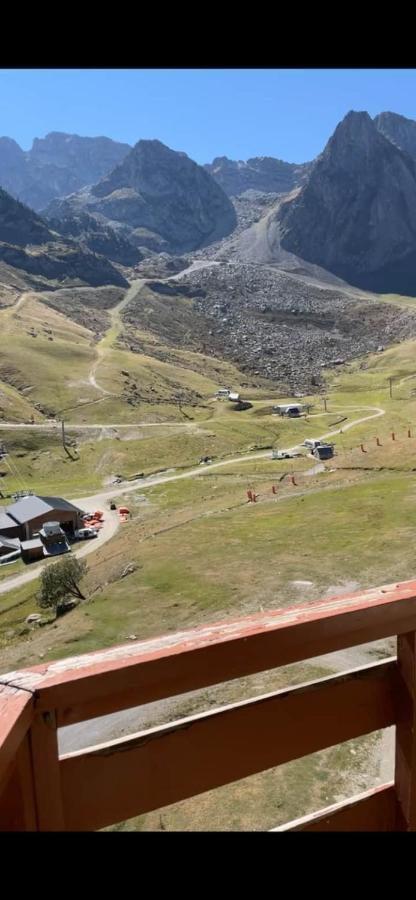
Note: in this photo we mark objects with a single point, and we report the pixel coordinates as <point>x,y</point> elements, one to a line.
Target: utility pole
<point>63,434</point>
<point>391,385</point>
<point>325,405</point>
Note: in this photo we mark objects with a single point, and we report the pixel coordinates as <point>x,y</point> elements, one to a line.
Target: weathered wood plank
<point>17,800</point>
<point>405,766</point>
<point>120,677</point>
<point>16,714</point>
<point>373,810</point>
<point>47,780</point>
<point>11,808</point>
<point>134,775</point>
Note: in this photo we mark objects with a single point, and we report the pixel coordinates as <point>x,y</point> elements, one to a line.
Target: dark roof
<point>6,522</point>
<point>31,507</point>
<point>33,544</point>
<point>59,503</point>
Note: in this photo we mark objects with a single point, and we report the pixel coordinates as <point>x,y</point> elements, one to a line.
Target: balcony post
<point>47,779</point>
<point>17,799</point>
<point>405,764</point>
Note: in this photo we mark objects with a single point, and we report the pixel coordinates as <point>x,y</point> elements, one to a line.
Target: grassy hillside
<point>45,357</point>
<point>216,430</point>
<point>48,358</point>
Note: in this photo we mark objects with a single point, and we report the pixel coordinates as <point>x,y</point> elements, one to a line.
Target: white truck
<point>83,534</point>
<point>282,454</point>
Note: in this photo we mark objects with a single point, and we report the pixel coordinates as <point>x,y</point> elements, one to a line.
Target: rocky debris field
<point>161,265</point>
<point>249,208</point>
<point>279,327</point>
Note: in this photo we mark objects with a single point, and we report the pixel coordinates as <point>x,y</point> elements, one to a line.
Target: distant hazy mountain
<point>56,165</point>
<point>262,173</point>
<point>160,197</point>
<point>356,215</point>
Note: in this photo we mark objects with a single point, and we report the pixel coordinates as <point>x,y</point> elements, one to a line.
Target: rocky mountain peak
<point>166,200</point>
<point>399,130</point>
<point>153,167</point>
<point>10,150</point>
<point>355,122</point>
<point>356,215</point>
<point>353,142</point>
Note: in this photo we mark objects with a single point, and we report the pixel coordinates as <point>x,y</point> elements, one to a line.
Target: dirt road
<point>53,425</point>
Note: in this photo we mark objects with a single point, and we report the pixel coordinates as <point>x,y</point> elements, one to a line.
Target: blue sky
<point>287,113</point>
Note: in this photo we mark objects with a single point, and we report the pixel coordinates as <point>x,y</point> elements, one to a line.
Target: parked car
<point>84,534</point>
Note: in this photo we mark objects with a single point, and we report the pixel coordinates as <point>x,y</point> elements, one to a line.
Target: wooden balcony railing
<point>109,783</point>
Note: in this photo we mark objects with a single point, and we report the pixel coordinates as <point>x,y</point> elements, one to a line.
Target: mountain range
<point>56,165</point>
<point>262,173</point>
<point>263,264</point>
<point>105,207</point>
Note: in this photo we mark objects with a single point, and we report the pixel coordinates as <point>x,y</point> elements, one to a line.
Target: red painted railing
<point>99,786</point>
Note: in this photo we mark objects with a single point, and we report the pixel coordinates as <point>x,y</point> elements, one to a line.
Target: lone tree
<point>60,581</point>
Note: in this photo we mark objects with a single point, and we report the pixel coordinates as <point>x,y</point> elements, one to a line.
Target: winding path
<point>53,425</point>
<point>112,334</point>
<point>116,323</point>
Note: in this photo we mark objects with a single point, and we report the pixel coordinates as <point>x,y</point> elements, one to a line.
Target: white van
<point>311,443</point>
<point>222,394</point>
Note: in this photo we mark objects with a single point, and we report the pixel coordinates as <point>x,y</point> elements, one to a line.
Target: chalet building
<point>26,517</point>
<point>292,410</point>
